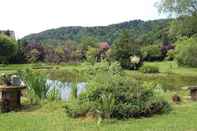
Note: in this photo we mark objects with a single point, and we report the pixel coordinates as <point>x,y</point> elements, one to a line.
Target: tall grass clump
<point>112,94</point>
<point>37,88</point>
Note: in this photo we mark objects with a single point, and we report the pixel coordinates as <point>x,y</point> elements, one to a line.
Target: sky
<point>33,16</point>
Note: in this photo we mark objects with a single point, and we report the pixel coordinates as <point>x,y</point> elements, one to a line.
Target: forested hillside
<point>146,32</point>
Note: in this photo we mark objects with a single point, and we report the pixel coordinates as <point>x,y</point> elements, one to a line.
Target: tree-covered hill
<point>146,32</point>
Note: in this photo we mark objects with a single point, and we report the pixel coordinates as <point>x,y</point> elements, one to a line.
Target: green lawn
<point>51,117</point>
<point>172,67</point>
<point>14,67</point>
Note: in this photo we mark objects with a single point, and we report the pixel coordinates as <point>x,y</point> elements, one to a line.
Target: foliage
<point>149,69</point>
<point>34,52</point>
<point>89,70</point>
<point>8,48</point>
<point>151,53</point>
<point>91,55</point>
<point>186,10</point>
<point>36,83</point>
<point>142,31</point>
<point>183,26</point>
<point>123,48</point>
<point>72,51</point>
<point>165,48</point>
<point>178,7</point>
<point>19,57</point>
<point>53,94</point>
<point>110,94</point>
<point>88,41</point>
<point>186,52</point>
<point>171,54</point>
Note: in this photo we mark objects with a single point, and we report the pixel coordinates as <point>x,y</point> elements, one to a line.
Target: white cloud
<point>30,16</point>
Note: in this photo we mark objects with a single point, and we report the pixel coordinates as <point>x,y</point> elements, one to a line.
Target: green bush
<point>151,53</point>
<point>186,53</point>
<point>170,55</point>
<point>114,95</point>
<point>149,69</point>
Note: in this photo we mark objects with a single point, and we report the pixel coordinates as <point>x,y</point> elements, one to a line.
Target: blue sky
<point>32,16</point>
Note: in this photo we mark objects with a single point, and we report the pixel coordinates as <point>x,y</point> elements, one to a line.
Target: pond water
<point>65,89</point>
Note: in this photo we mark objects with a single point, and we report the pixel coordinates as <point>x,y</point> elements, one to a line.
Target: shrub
<point>171,54</point>
<point>114,95</point>
<point>186,52</point>
<point>151,53</point>
<point>90,71</point>
<point>149,69</point>
<point>165,48</point>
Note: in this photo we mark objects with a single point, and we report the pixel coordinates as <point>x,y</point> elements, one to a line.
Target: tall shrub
<point>186,53</point>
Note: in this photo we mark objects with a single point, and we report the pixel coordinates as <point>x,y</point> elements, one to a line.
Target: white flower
<point>134,59</point>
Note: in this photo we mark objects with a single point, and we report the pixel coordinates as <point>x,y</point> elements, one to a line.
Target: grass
<point>40,66</point>
<point>172,67</point>
<point>171,76</point>
<point>51,116</point>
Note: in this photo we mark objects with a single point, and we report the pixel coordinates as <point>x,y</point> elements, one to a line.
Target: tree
<point>186,10</point>
<point>71,51</point>
<point>91,55</point>
<point>34,52</point>
<point>8,48</point>
<point>85,43</point>
<point>178,7</point>
<point>185,52</point>
<point>19,58</point>
<point>88,41</point>
<point>183,26</point>
<point>123,48</point>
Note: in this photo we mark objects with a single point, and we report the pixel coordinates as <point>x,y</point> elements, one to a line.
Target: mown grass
<point>51,117</point>
<point>171,76</point>
<point>172,67</point>
<point>11,68</point>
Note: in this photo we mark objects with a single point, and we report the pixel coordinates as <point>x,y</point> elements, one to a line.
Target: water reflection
<point>65,89</point>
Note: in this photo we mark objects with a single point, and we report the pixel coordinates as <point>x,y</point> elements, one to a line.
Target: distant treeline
<point>145,32</point>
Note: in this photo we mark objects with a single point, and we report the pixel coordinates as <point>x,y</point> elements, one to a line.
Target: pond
<point>65,89</point>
